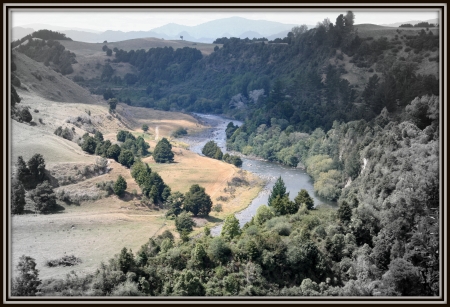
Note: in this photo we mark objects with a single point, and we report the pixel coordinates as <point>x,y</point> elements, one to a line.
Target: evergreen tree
<point>27,281</point>
<point>349,20</point>
<point>283,206</point>
<point>126,260</point>
<point>22,173</point>
<point>197,201</point>
<point>263,214</point>
<point>122,135</point>
<point>163,152</point>
<point>153,194</point>
<point>187,284</point>
<point>174,204</point>
<point>17,197</point>
<point>98,136</point>
<point>102,149</point>
<point>279,189</point>
<point>218,154</point>
<point>198,255</point>
<point>126,158</point>
<point>36,166</point>
<point>120,186</point>
<point>25,115</point>
<point>140,171</point>
<point>344,212</point>
<point>230,228</point>
<point>211,150</point>
<point>113,152</point>
<point>184,222</point>
<point>112,103</point>
<point>89,145</point>
<point>304,198</point>
<point>44,197</point>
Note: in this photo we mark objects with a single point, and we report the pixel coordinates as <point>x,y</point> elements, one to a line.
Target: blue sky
<point>144,20</point>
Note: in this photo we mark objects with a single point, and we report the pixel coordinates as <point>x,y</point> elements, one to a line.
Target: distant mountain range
<point>204,33</point>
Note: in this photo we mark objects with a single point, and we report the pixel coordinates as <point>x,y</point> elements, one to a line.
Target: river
<point>295,179</point>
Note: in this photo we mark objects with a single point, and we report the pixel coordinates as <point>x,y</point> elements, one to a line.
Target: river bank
<point>295,179</point>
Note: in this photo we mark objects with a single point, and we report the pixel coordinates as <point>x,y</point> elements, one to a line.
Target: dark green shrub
<point>120,186</point>
<point>126,158</point>
<point>163,152</point>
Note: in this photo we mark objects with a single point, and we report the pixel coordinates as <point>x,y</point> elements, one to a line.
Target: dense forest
<point>374,150</point>
<point>294,80</point>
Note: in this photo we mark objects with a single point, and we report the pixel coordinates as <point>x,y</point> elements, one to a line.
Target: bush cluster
<point>66,133</point>
<point>65,260</point>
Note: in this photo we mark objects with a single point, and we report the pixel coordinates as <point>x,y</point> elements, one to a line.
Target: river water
<point>295,179</point>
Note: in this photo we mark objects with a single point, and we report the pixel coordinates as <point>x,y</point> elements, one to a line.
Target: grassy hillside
<point>98,227</point>
<point>91,57</point>
<point>376,31</point>
<point>43,81</point>
<point>138,43</point>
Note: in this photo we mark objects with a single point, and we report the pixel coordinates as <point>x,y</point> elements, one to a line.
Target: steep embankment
<point>44,82</point>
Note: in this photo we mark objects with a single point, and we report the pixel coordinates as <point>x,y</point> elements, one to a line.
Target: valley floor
<point>95,230</point>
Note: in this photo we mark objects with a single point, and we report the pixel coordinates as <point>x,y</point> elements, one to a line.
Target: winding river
<point>295,179</point>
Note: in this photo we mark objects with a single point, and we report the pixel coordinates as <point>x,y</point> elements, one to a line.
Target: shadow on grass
<point>26,211</point>
<point>58,209</point>
<point>127,196</point>
<point>213,219</point>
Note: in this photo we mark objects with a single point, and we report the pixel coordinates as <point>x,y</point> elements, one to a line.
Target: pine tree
<point>230,228</point>
<point>36,166</point>
<point>279,189</point>
<point>23,173</point>
<point>304,198</point>
<point>17,197</point>
<point>126,260</point>
<point>120,186</point>
<point>163,152</point>
<point>283,205</point>
<point>140,171</point>
<point>126,158</point>
<point>44,197</point>
<point>344,212</point>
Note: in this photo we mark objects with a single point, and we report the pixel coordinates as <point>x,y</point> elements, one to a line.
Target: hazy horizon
<point>145,21</point>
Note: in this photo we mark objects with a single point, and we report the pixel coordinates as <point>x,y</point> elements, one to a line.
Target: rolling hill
<point>203,33</point>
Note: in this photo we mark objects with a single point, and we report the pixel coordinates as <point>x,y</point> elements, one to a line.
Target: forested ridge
<point>372,148</point>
